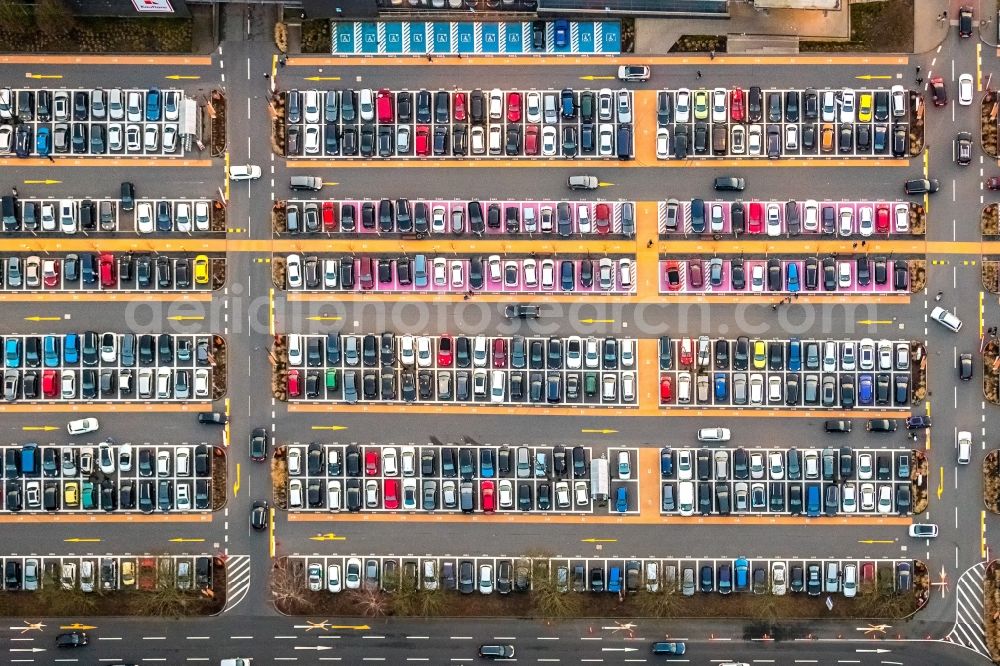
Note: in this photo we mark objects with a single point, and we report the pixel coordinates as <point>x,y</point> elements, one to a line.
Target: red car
<point>489,504</point>
<point>329,216</point>
<point>672,275</point>
<point>499,353</point>
<point>106,263</point>
<point>458,106</point>
<point>936,85</point>
<point>383,105</point>
<point>666,389</point>
<point>882,219</point>
<point>51,279</point>
<point>444,351</point>
<point>423,141</point>
<point>50,383</point>
<point>531,140</point>
<point>371,462</point>
<point>695,275</point>
<point>602,218</point>
<point>736,105</point>
<point>993,183</point>
<point>513,107</point>
<point>867,572</point>
<point>687,352</point>
<point>755,224</point>
<point>294,386</point>
<point>391,494</point>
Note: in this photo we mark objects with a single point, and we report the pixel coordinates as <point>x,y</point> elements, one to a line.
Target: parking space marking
<point>593,59</point>
<point>530,163</point>
<point>105,60</point>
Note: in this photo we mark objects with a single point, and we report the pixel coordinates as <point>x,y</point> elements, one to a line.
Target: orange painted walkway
<point>101,297</point>
<point>90,518</point>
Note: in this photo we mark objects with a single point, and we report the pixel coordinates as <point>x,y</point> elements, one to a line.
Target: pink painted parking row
<point>857,275</point>
<point>784,218</point>
<point>492,274</point>
<point>456,218</point>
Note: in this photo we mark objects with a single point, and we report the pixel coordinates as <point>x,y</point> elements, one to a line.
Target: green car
<point>332,379</point>
<point>590,384</point>
<point>701,105</point>
<point>89,495</point>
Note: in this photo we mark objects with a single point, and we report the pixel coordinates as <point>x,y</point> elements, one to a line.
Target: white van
<point>964,447</point>
<point>87,576</point>
<point>366,106</point>
<point>628,353</point>
<point>685,498</point>
<point>714,434</point>
<point>295,493</point>
<point>683,387</point>
<point>294,349</point>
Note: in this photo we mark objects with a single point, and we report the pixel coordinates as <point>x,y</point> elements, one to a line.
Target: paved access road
<point>240,313</point>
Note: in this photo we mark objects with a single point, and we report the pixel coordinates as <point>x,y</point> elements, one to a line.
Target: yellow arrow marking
<point>940,482</point>
<point>236,485</point>
<point>310,625</point>
<point>183,540</point>
<point>270,534</point>
<point>78,626</point>
<point>42,428</point>
<point>600,431</point>
<point>875,541</point>
<point>42,182</point>
<point>869,77</point>
<point>327,537</point>
<point>870,322</point>
<point>183,77</point>
<point>603,184</point>
<point>186,318</point>
<point>597,321</point>
<point>322,78</point>
<point>591,77</point>
<point>593,540</point>
<point>329,427</point>
<point>29,75</point>
<point>81,540</point>
<point>323,318</point>
<point>37,318</point>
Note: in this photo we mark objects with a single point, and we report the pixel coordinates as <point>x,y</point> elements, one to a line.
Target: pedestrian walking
<point>267,75</point>
<point>711,55</point>
<point>774,306</point>
<point>698,73</point>
<point>465,297</point>
<point>13,191</point>
<point>920,80</point>
<point>430,58</point>
<point>918,69</point>
<point>863,243</point>
<point>649,243</point>
<point>51,159</point>
<point>854,244</point>
<point>938,296</point>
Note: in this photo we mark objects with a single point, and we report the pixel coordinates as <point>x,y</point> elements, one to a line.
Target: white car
<point>884,505</point>
<point>605,140</point>
<point>133,138</point>
<point>549,272</point>
<point>866,221</point>
<point>311,141</point>
<point>755,140</point>
<point>663,143</point>
<point>946,319</point>
<point>868,496</point>
<point>505,493</point>
<point>333,583</point>
<point>846,221</point>
<point>773,220</point>
<point>719,105</point>
<point>581,493</point>
<point>6,139</point>
<point>533,107</point>
<point>778,578</point>
<point>737,140</point>
<point>244,172</point>
<point>352,579</point>
<point>625,273</point>
<point>757,278</point>
<point>151,138</point>
<point>791,137</point>
<point>624,465</point>
<point>965,89</point>
<point>407,357</point>
<point>847,106</point>
<point>530,267</point>
<point>810,215</point>
<point>293,271</point>
<point>116,138</point>
<point>82,426</point>
<point>201,219</point>
<point>682,106</point>
<point>898,101</point>
<point>964,447</point>
<point>67,217</point>
<point>902,218</point>
<point>549,135</point>
<point>849,498</point>
<point>624,106</point>
<point>477,140</point>
<point>714,434</point>
<point>583,219</point>
<point>143,217</point>
<point>457,274</point>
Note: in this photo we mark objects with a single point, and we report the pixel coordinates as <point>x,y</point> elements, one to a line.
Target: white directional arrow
<point>876,650</point>
<point>619,649</point>
<point>27,649</point>
<point>313,647</point>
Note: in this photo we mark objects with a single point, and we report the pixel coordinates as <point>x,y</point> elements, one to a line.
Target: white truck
<point>599,481</point>
<point>236,661</point>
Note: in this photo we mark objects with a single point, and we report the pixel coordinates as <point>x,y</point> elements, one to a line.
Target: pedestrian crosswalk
<point>968,630</point>
<point>237,580</point>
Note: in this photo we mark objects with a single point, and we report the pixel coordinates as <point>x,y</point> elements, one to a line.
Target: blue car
<point>561,33</point>
<point>865,389</point>
<point>742,574</point>
<point>12,353</point>
<point>50,351</point>
<point>666,463</point>
<point>621,500</point>
<point>153,105</point>
<point>721,386</point>
<point>794,355</point>
<point>486,463</point>
<point>42,144</point>
<point>71,349</point>
<point>792,276</point>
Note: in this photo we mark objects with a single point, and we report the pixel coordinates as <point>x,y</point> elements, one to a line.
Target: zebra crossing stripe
<point>478,32</point>
<point>453,46</point>
<point>357,36</point>
<point>380,27</point>
<point>599,37</point>
<point>526,37</point>
<point>574,39</point>
<point>661,216</point>
<point>237,580</point>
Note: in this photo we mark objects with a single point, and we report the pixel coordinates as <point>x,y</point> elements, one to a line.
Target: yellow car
<point>201,269</point>
<point>71,493</point>
<point>759,355</point>
<point>128,573</point>
<point>865,108</point>
<point>701,105</point>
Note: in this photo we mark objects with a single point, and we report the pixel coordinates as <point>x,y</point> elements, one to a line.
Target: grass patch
<point>877,27</point>
<point>699,44</point>
<point>106,35</point>
<point>316,36</point>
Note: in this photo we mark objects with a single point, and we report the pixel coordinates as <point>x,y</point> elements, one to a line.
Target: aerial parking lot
<point>402,332</point>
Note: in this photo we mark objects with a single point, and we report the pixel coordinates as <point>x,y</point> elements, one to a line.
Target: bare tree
<point>288,591</point>
<point>370,602</point>
<point>54,17</point>
<point>15,17</point>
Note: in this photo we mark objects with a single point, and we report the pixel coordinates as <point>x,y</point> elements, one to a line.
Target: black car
<point>73,639</point>
<point>729,184</point>
<point>965,367</point>
<point>258,444</point>
<point>259,515</point>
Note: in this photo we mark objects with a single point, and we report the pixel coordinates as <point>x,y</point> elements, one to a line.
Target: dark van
<point>624,142</point>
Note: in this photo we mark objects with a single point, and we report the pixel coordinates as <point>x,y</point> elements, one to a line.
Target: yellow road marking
<point>599,431</point>
<point>236,484</point>
<point>873,541</point>
<point>81,540</point>
<point>42,182</point>
<point>36,318</point>
<point>332,427</point>
<point>182,77</point>
<point>593,540</point>
<point>79,627</point>
<point>270,534</point>
<point>36,428</point>
<point>979,67</point>
<point>185,540</point>
<point>940,488</point>
<point>327,537</point>
<point>29,75</point>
